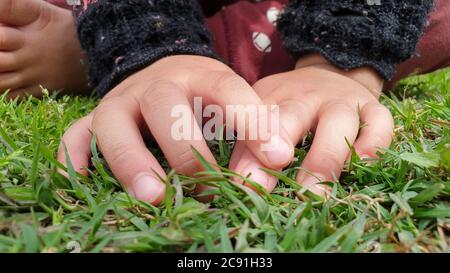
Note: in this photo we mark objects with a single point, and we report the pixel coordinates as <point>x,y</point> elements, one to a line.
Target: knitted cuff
<point>121,37</point>
<point>355,33</point>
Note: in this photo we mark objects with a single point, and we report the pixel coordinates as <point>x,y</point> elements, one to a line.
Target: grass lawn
<point>400,203</point>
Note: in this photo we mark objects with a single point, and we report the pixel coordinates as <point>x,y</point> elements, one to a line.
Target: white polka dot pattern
<point>272,15</point>
<point>262,42</point>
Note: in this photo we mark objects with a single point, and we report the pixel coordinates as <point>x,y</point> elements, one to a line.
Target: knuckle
<point>8,61</point>
<point>119,154</point>
<point>105,106</point>
<point>333,162</point>
<point>340,108</point>
<point>159,92</point>
<point>226,81</point>
<point>46,15</point>
<point>186,163</point>
<point>340,105</point>
<point>82,127</point>
<point>9,82</point>
<point>20,77</point>
<point>102,117</point>
<point>327,161</point>
<point>189,166</point>
<point>293,104</point>
<point>382,139</point>
<point>379,108</point>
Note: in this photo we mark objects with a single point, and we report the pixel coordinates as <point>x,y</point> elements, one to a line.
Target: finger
<point>11,80</point>
<point>16,93</point>
<point>254,121</point>
<point>9,62</point>
<point>170,118</point>
<point>297,118</point>
<point>329,150</point>
<point>10,39</point>
<point>377,131</point>
<point>77,142</point>
<point>115,124</point>
<point>20,12</point>
<point>246,164</point>
<point>236,155</point>
<point>24,92</point>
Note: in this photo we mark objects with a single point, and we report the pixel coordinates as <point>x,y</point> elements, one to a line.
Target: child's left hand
<point>332,103</point>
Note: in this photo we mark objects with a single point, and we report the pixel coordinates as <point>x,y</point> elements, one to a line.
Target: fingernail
<point>148,189</point>
<point>369,160</point>
<point>202,188</point>
<point>259,176</point>
<point>312,184</point>
<point>277,151</point>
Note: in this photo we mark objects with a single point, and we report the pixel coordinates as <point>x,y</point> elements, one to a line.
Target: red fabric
<point>234,25</point>
<point>248,41</point>
<point>60,3</point>
<point>245,38</point>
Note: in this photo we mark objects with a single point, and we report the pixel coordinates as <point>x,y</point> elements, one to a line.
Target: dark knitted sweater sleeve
<point>121,37</point>
<point>355,33</point>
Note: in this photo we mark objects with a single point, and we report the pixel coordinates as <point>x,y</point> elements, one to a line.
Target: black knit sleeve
<point>121,37</point>
<point>355,33</point>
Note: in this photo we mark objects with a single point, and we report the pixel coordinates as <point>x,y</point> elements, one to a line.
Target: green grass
<point>399,203</point>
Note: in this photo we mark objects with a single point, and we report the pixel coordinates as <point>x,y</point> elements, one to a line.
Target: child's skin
<point>147,98</point>
<point>315,96</point>
<point>32,52</point>
<point>333,104</point>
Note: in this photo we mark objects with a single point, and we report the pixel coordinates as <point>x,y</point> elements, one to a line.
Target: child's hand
<point>38,46</point>
<point>332,103</point>
<point>146,100</point>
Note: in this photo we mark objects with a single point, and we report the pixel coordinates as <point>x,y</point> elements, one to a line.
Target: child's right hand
<point>145,100</point>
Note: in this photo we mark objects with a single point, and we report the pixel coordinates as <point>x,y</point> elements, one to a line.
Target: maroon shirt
<point>245,37</point>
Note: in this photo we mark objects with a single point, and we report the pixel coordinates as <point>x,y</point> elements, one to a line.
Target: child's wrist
<point>366,76</point>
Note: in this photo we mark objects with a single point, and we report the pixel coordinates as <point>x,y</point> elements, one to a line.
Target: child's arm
<point>345,50</point>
